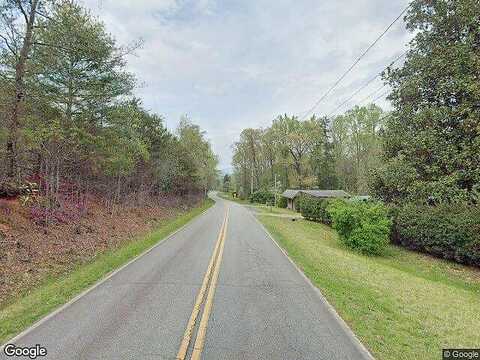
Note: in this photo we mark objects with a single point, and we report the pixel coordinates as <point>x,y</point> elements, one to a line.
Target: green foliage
<point>282,202</point>
<point>262,197</point>
<point>448,231</point>
<point>322,158</point>
<point>298,138</point>
<point>318,152</point>
<point>393,181</point>
<point>361,226</point>
<point>434,130</point>
<point>357,146</point>
<point>197,149</point>
<point>226,183</point>
<point>314,209</point>
<point>80,124</point>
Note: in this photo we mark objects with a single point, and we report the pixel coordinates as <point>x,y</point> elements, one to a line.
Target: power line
<point>353,65</point>
<point>370,95</point>
<point>380,96</point>
<point>373,93</point>
<point>366,84</point>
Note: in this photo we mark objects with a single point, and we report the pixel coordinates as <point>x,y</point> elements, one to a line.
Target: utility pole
<point>251,182</point>
<point>275,188</point>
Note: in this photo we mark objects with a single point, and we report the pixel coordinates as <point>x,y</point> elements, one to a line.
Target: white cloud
<point>233,64</point>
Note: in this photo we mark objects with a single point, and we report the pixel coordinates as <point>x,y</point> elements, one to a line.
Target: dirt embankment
<point>29,252</point>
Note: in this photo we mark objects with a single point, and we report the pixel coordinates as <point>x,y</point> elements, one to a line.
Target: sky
<point>234,64</point>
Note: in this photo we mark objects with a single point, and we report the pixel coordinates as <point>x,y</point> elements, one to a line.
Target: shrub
<point>262,197</point>
<point>314,209</point>
<point>363,226</point>
<point>282,202</point>
<point>449,231</point>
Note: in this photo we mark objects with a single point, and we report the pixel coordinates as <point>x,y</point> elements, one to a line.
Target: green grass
<point>404,305</point>
<point>55,292</point>
<point>264,209</point>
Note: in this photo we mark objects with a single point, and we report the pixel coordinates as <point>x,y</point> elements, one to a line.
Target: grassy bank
<point>404,305</point>
<point>54,292</point>
<point>264,209</point>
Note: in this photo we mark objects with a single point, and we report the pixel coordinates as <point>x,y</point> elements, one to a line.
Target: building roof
<point>327,193</point>
<point>290,194</point>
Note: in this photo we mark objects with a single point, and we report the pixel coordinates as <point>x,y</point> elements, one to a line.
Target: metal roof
<point>326,193</point>
<point>290,194</point>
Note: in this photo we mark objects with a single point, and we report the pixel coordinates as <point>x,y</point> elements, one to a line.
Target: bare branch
<point>44,15</point>
<point>5,40</point>
<point>25,15</point>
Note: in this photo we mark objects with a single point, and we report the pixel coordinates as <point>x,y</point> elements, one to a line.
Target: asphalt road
<point>263,308</point>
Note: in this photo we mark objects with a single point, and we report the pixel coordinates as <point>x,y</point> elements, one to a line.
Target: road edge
<point>348,331</point>
<point>101,281</point>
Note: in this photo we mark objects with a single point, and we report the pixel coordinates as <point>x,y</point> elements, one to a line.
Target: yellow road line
<point>182,352</point>
<point>202,329</point>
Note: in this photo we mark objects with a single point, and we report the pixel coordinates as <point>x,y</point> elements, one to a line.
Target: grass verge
<point>404,305</point>
<point>55,292</point>
<point>264,209</point>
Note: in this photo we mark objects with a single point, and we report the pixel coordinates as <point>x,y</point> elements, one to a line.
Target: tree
<point>17,45</point>
<point>78,76</point>
<point>227,183</point>
<point>326,153</point>
<point>298,137</point>
<point>434,128</point>
<point>80,131</point>
<point>357,147</point>
<point>80,68</point>
<point>197,148</point>
<point>322,159</point>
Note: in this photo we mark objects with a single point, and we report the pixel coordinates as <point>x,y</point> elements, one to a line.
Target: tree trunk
<point>17,104</point>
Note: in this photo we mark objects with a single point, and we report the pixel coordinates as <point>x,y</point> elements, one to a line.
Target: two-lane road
<point>260,306</point>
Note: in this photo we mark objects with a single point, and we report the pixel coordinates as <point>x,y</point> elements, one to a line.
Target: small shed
<point>292,194</point>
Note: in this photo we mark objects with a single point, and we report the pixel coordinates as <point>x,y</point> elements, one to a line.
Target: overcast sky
<point>232,64</point>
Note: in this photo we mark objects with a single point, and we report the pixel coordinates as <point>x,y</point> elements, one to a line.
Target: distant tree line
<point>316,153</point>
<point>69,121</point>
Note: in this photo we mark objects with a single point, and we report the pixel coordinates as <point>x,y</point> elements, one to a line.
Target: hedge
<point>262,197</point>
<point>313,209</point>
<point>282,202</point>
<point>448,231</point>
<point>363,226</point>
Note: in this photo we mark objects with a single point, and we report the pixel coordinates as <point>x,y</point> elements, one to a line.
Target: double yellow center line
<point>209,281</point>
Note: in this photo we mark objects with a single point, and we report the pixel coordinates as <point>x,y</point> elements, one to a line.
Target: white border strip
<point>101,281</point>
<point>356,342</point>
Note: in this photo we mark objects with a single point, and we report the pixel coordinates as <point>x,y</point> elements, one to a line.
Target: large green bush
<point>262,197</point>
<point>282,202</point>
<point>314,209</point>
<point>447,230</point>
<point>363,226</point>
